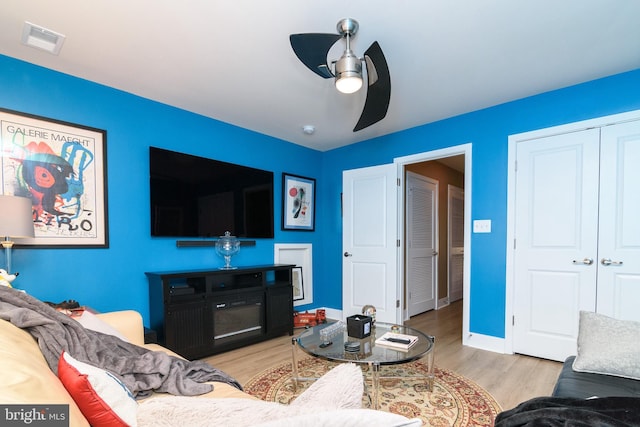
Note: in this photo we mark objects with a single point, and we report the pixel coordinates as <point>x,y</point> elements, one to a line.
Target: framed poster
<point>61,167</point>
<point>298,203</point>
<point>298,283</point>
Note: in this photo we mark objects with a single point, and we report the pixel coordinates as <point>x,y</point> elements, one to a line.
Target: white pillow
<point>101,397</point>
<point>338,389</point>
<point>93,322</point>
<point>341,388</point>
<point>345,418</point>
<point>174,411</point>
<point>608,346</point>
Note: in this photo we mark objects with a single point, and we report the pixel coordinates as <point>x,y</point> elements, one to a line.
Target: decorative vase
<point>227,246</point>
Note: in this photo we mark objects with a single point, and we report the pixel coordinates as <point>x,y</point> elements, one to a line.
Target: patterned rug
<point>454,401</point>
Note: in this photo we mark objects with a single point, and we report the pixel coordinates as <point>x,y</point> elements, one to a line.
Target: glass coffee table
<point>375,356</point>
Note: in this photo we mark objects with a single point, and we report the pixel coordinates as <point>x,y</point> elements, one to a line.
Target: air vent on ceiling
<point>42,38</point>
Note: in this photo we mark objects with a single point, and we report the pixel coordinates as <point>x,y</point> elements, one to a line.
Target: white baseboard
<point>484,342</point>
<point>442,303</point>
<point>333,313</point>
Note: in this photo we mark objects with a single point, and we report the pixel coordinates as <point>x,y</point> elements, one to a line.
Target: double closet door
<point>577,234</point>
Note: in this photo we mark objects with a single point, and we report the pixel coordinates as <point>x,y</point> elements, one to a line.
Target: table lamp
<point>16,221</point>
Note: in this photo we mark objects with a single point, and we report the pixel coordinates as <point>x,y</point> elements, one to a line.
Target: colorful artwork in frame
<point>61,167</point>
<point>298,202</point>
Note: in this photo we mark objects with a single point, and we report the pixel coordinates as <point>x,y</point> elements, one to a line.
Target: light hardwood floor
<point>509,378</point>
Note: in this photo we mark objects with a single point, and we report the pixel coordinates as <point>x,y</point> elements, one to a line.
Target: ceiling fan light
<point>348,73</point>
<point>349,84</point>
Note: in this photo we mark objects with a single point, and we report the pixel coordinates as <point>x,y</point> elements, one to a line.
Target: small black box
<point>359,326</point>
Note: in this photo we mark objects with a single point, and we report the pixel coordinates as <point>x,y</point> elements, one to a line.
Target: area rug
<point>454,401</point>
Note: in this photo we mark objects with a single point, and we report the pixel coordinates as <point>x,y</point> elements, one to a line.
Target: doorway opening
<point>451,167</point>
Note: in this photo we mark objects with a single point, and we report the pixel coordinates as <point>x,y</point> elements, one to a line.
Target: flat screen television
<point>198,197</point>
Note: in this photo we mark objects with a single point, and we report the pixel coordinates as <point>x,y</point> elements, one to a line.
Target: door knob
<point>346,254</point>
<point>607,261</point>
<point>586,261</point>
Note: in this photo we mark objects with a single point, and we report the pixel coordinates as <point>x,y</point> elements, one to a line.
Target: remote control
<point>399,340</point>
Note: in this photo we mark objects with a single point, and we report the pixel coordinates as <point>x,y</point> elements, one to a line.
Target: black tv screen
<point>198,197</point>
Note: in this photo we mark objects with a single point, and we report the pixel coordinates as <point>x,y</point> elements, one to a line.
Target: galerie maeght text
<point>55,169</point>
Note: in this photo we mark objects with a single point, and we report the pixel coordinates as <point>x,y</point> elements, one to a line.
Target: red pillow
<point>101,397</point>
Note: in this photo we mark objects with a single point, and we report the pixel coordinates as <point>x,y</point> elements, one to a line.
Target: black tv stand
<point>198,313</point>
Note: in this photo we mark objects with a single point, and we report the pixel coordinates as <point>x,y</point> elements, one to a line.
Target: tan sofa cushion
<point>26,377</point>
<point>127,322</point>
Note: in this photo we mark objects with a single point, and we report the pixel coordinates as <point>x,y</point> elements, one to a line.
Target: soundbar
<point>208,243</point>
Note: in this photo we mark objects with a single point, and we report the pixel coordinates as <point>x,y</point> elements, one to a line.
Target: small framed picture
<point>298,283</point>
<point>298,203</point>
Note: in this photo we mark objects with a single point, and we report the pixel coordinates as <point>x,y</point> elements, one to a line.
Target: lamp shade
<point>16,219</point>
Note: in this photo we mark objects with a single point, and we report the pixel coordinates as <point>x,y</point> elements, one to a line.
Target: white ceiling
<point>231,60</point>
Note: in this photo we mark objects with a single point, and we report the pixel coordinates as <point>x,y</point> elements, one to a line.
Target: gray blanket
<point>141,370</point>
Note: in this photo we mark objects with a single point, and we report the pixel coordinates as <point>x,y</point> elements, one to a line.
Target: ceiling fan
<point>312,49</point>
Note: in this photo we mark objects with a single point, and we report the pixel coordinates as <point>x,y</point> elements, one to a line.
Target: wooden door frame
<point>511,197</point>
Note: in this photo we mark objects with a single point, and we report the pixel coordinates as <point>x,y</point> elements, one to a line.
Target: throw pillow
<point>93,322</point>
<point>345,418</point>
<point>174,411</point>
<point>608,346</point>
<point>342,387</point>
<point>101,397</point>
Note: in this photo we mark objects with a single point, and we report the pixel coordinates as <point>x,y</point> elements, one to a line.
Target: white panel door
<point>370,251</point>
<point>556,214</point>
<point>619,225</point>
<point>421,243</point>
<point>455,250</point>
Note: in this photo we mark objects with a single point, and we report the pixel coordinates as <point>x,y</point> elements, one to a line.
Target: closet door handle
<point>607,261</point>
<point>347,254</point>
<point>586,261</point>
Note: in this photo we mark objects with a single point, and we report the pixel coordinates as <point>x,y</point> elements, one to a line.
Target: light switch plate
<point>482,226</point>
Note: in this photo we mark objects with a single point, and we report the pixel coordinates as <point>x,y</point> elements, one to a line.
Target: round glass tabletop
<point>364,350</point>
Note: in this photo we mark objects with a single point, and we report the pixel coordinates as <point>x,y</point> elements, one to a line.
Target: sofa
<point>27,379</point>
<point>583,385</point>
<point>600,385</point>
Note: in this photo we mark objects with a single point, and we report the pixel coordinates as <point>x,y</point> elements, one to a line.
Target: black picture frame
<point>70,209</point>
<point>298,203</point>
<point>297,281</point>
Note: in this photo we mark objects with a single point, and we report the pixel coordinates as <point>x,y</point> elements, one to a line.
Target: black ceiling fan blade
<point>378,90</point>
<point>312,50</point>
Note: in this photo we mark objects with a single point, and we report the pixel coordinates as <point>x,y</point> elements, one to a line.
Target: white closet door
<point>421,241</point>
<point>619,238</point>
<point>556,213</point>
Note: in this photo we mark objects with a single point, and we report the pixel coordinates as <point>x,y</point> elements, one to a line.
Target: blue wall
<point>113,278</point>
<point>488,130</point>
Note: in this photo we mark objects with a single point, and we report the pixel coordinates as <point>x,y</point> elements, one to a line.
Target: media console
<point>198,313</point>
